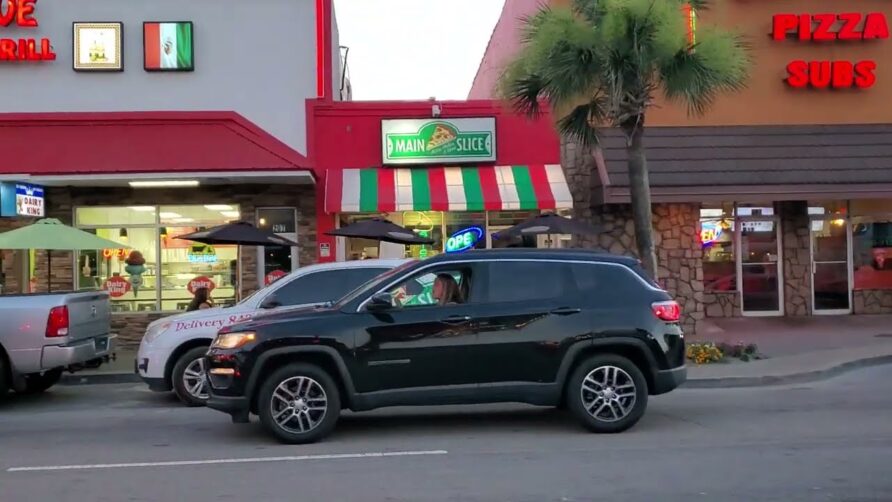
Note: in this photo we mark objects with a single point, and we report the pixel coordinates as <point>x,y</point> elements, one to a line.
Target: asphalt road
<point>830,440</point>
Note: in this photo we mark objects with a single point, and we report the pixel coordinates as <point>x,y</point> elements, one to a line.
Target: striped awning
<point>498,188</point>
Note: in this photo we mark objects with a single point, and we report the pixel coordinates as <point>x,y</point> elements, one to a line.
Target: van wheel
<point>189,377</point>
<point>607,393</point>
<point>299,403</point>
<point>37,383</point>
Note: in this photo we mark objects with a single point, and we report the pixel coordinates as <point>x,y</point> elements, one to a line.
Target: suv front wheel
<point>299,403</point>
<point>607,393</point>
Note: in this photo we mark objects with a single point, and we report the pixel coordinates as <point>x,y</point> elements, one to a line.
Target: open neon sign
<point>464,240</point>
<point>709,233</point>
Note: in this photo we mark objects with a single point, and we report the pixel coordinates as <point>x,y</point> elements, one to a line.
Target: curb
<point>697,383</point>
<point>792,378</point>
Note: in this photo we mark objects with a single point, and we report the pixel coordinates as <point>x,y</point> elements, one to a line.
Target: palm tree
<point>600,63</point>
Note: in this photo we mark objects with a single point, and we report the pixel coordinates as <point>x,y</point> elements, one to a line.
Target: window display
<point>717,239</point>
<point>158,272</point>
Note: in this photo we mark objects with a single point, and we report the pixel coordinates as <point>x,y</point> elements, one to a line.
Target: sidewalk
<point>798,350</point>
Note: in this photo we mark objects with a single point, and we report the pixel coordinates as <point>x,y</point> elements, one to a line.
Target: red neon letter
<point>7,50</point>
<point>797,74</point>
<point>822,32</point>
<point>24,15</point>
<point>864,76</point>
<point>6,19</point>
<point>46,51</point>
<point>804,27</point>
<point>848,29</point>
<point>819,74</point>
<point>843,74</point>
<point>781,24</point>
<point>875,26</point>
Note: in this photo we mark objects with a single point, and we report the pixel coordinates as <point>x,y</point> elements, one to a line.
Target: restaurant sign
<point>429,141</point>
<point>22,199</point>
<point>20,13</point>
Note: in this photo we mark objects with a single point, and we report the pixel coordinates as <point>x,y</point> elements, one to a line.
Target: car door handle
<point>565,311</point>
<point>457,319</point>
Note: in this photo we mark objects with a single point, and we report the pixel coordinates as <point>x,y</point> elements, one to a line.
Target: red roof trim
<point>260,151</point>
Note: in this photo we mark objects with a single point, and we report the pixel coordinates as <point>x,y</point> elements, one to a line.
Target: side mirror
<point>380,302</point>
<point>270,302</point>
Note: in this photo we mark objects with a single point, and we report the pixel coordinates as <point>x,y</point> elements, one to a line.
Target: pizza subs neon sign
<point>824,28</point>
<point>21,13</point>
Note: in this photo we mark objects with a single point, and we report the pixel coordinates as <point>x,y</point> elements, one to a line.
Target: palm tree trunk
<point>639,187</point>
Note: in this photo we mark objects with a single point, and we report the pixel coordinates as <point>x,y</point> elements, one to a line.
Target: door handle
<point>457,319</point>
<point>565,311</point>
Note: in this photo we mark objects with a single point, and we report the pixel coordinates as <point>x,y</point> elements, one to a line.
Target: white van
<point>171,354</point>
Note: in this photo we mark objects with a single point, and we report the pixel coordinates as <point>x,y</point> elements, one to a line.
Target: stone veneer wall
<point>130,327</point>
<point>872,301</point>
<point>797,258</point>
<point>722,303</point>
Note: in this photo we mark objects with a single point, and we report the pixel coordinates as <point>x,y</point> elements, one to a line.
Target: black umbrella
<point>239,233</point>
<point>379,229</point>
<point>547,224</point>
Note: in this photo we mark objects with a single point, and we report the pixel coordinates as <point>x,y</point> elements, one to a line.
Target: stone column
<point>797,258</point>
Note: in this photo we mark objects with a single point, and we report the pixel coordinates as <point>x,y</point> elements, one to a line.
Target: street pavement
<point>828,440</point>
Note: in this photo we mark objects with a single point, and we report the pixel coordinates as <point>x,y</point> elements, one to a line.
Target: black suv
<point>589,332</point>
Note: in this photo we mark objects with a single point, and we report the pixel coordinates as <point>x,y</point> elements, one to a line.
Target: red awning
<point>41,144</point>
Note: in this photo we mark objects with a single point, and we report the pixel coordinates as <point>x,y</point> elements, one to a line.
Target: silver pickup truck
<point>42,335</point>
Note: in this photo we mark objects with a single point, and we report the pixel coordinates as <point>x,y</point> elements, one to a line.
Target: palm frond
<point>581,123</point>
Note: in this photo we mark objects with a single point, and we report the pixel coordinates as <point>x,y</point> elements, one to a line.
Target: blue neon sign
<point>464,239</point>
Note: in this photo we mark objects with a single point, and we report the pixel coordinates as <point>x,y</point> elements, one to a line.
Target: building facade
<point>143,122</point>
<point>451,171</point>
<point>778,201</point>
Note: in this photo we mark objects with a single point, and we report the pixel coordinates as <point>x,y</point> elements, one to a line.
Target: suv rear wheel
<point>299,403</point>
<point>607,393</point>
<point>189,377</point>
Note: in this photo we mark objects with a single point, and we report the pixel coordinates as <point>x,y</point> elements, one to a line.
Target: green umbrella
<point>50,234</point>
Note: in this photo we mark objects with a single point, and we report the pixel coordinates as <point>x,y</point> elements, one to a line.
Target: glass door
<point>759,266</point>
<point>830,252</point>
<point>275,262</point>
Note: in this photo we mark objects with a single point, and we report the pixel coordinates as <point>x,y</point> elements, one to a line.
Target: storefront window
<point>426,224</point>
<point>872,254</point>
<point>138,279</point>
<point>717,239</point>
<point>461,224</point>
<point>277,261</point>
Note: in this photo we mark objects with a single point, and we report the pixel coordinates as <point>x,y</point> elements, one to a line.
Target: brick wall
<point>130,327</point>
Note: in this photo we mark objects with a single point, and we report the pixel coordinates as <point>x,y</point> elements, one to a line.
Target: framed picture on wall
<point>168,46</point>
<point>98,46</point>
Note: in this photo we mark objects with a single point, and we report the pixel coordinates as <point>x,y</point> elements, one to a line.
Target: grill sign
<point>20,13</point>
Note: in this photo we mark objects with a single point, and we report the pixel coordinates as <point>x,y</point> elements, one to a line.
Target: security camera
<point>435,111</point>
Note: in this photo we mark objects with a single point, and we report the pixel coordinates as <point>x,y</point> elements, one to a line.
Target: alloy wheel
<point>195,379</point>
<point>298,404</point>
<point>608,393</point>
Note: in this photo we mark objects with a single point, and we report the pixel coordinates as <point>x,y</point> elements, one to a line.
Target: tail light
<point>667,311</point>
<point>57,322</point>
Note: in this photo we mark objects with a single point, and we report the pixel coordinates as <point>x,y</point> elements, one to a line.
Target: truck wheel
<point>189,376</point>
<point>299,403</point>
<point>37,383</point>
<point>607,393</point>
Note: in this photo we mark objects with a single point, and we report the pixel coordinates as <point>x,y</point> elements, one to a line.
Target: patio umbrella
<point>547,224</point>
<point>51,235</point>
<point>238,233</point>
<point>379,229</point>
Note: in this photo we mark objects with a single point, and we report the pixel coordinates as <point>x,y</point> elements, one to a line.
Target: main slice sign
<point>430,141</point>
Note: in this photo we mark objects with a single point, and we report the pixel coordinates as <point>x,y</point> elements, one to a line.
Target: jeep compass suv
<point>571,328</point>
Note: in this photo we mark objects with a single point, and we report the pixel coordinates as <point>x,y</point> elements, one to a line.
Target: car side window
<point>606,285</point>
<point>441,286</point>
<point>527,281</point>
<point>326,285</point>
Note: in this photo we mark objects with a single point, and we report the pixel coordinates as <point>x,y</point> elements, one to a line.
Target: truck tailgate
<point>89,315</point>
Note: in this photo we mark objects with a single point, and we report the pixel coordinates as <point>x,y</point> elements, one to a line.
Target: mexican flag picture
<point>168,46</point>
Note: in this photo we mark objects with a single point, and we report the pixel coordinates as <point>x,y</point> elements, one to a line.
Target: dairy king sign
<point>200,282</point>
<point>29,200</point>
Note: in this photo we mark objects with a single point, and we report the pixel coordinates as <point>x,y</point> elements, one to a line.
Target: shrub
<point>704,353</point>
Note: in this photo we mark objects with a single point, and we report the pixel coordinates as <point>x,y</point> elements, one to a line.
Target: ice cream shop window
<point>158,272</point>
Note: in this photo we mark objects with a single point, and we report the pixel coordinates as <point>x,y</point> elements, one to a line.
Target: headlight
<point>232,340</point>
<point>155,331</point>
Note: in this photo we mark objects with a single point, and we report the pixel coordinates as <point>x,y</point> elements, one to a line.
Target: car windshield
<point>373,283</point>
